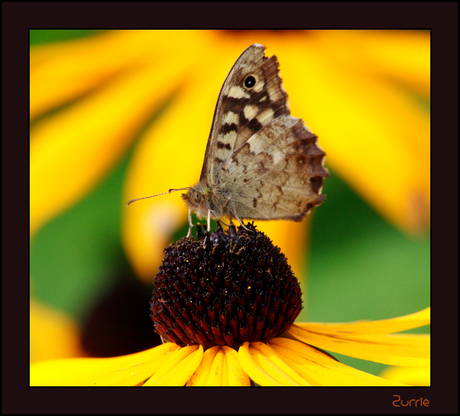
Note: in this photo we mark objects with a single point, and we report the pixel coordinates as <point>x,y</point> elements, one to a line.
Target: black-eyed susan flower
<point>225,306</point>
<point>365,93</point>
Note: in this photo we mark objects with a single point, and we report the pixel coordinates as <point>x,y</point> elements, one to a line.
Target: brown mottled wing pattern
<point>277,174</point>
<point>240,111</point>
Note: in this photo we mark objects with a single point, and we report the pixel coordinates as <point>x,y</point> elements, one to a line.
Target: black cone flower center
<point>224,289</point>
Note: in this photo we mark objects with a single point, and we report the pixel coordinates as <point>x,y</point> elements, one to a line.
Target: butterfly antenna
<point>152,196</point>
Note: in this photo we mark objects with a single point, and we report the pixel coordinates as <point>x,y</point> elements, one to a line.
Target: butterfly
<point>260,162</point>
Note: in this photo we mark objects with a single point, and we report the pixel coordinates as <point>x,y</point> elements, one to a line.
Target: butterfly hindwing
<point>277,174</point>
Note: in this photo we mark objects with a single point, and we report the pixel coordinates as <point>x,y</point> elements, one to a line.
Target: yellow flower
<point>281,361</point>
<point>225,305</point>
<point>146,99</point>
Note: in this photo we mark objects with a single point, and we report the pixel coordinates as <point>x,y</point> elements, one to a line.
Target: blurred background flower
<point>116,115</point>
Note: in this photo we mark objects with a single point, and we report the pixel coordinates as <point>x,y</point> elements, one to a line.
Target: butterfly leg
<point>233,213</point>
<point>228,225</point>
<point>190,223</point>
<point>209,221</point>
<point>242,224</point>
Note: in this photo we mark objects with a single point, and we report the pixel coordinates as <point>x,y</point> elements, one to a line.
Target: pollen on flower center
<point>224,289</point>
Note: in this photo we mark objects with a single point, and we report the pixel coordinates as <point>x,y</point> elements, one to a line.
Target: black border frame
<point>18,17</point>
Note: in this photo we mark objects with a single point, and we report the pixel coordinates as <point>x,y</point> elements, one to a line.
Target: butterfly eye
<point>197,196</point>
<point>250,81</point>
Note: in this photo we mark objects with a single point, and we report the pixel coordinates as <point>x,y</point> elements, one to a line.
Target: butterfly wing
<point>277,174</point>
<point>250,98</point>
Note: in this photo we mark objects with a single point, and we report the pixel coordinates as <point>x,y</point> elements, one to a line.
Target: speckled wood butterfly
<point>260,162</point>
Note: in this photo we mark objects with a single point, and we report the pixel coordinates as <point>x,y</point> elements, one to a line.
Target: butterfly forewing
<point>251,97</point>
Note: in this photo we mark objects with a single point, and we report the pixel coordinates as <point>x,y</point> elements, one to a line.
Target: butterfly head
<point>197,199</point>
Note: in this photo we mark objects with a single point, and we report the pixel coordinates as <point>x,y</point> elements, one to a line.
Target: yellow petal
<point>71,151</point>
<point>402,56</point>
<point>128,370</point>
<point>178,367</point>
<point>218,370</point>
<point>52,334</point>
<point>220,367</point>
<point>63,71</point>
<point>265,367</point>
<point>235,374</point>
<point>383,326</point>
<point>321,370</point>
<point>404,350</point>
<point>201,375</point>
<point>414,376</point>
